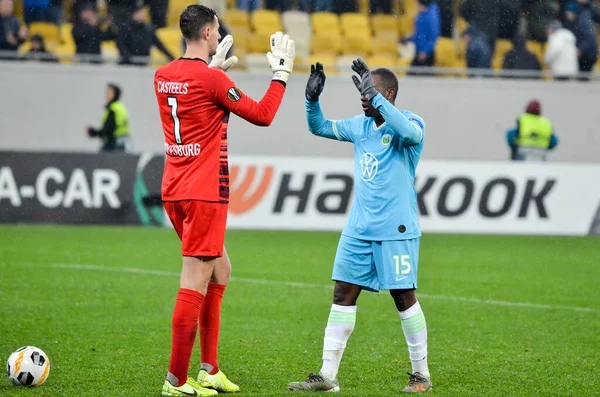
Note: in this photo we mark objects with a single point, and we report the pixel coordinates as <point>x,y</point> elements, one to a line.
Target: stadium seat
<point>328,43</point>
<point>502,47</point>
<point>353,22</point>
<point>406,25</point>
<point>259,42</point>
<point>381,61</point>
<point>174,11</point>
<point>344,64</point>
<point>49,31</point>
<point>296,22</point>
<point>356,43</point>
<point>266,21</point>
<point>235,19</point>
<point>385,43</point>
<point>256,63</point>
<point>67,51</point>
<point>537,49</point>
<point>171,38</point>
<point>445,53</point>
<point>384,23</point>
<point>461,25</point>
<point>325,22</point>
<point>410,6</point>
<point>329,64</point>
<point>302,46</point>
<point>66,34</point>
<point>241,41</point>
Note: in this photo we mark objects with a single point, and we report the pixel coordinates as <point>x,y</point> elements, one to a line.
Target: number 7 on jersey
<point>176,125</point>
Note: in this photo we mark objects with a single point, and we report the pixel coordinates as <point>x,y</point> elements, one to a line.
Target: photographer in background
<point>115,128</point>
<point>533,137</point>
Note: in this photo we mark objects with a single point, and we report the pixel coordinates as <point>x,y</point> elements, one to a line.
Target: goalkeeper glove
<point>365,84</point>
<point>316,82</point>
<point>218,60</point>
<point>281,57</point>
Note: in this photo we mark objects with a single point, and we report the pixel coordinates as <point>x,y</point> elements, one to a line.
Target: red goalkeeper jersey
<point>195,102</point>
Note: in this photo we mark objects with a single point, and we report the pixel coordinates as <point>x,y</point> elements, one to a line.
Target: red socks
<point>184,326</point>
<point>210,324</point>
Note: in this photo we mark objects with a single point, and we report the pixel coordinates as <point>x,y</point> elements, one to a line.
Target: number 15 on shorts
<point>402,264</point>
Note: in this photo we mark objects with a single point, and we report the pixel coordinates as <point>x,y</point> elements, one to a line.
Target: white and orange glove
<point>281,57</point>
<point>218,60</point>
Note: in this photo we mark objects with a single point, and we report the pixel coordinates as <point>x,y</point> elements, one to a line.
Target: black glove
<point>316,82</point>
<point>365,83</point>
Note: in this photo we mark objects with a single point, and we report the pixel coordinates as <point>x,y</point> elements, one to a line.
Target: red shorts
<point>200,225</point>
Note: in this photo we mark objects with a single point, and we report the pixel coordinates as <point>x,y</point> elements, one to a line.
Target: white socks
<point>339,328</point>
<point>415,332</point>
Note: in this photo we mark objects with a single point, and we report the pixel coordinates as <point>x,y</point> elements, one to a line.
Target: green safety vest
<point>534,131</point>
<point>121,117</point>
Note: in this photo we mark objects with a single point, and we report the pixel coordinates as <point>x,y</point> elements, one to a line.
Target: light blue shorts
<point>377,265</point>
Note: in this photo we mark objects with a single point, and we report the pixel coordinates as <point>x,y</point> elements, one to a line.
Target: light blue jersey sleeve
<point>340,130</point>
<point>411,130</point>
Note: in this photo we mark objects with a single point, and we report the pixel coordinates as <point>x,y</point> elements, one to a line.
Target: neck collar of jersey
<point>193,59</point>
<point>380,127</point>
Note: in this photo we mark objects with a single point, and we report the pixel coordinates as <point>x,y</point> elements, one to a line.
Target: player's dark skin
<point>345,294</point>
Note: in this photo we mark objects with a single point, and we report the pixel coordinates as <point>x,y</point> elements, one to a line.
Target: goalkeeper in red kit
<point>195,100</point>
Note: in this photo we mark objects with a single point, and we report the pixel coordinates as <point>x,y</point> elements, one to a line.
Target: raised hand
<point>316,82</point>
<point>218,60</point>
<point>365,84</point>
<point>281,57</point>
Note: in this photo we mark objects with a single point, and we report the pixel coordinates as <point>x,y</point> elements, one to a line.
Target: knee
<point>345,294</point>
<point>403,298</point>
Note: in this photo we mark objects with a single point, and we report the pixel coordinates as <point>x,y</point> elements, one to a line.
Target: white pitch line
<point>166,273</point>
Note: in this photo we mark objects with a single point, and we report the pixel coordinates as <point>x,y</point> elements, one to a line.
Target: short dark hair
<point>388,80</point>
<point>193,20</point>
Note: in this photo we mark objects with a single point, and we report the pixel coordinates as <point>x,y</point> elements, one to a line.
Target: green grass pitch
<point>507,316</point>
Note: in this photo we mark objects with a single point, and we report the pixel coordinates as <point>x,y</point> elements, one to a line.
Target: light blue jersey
<point>385,161</point>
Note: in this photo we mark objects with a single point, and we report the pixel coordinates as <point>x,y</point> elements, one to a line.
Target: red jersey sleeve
<point>233,99</point>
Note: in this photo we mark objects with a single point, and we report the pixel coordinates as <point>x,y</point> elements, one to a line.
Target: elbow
<point>264,122</point>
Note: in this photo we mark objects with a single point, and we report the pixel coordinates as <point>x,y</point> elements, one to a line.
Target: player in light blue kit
<point>379,246</point>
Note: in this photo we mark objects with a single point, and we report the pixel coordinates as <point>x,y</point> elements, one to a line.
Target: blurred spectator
<point>115,125</point>
<point>538,13</point>
<point>427,31</point>
<point>446,17</point>
<point>485,15</point>
<point>342,6</point>
<point>158,12</point>
<point>579,21</point>
<point>136,38</point>
<point>509,15</point>
<point>42,11</point>
<point>561,52</point>
<point>278,5</point>
<point>519,57</point>
<point>381,6</point>
<point>120,10</point>
<point>88,35</point>
<point>479,52</point>
<point>12,35</point>
<point>38,52</point>
<point>533,137</point>
<point>247,5</point>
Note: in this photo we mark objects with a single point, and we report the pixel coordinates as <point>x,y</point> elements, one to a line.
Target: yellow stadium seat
<point>174,11</point>
<point>328,61</point>
<point>402,63</point>
<point>241,40</point>
<point>50,31</point>
<point>385,43</point>
<point>171,38</point>
<point>384,23</point>
<point>445,53</point>
<point>266,21</point>
<point>352,22</point>
<point>536,48</point>
<point>356,43</point>
<point>406,25</point>
<point>325,22</point>
<point>259,42</point>
<point>410,6</point>
<point>327,43</point>
<point>462,49</point>
<point>461,24</point>
<point>65,52</point>
<point>381,61</point>
<point>66,33</point>
<point>502,47</point>
<point>235,18</point>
